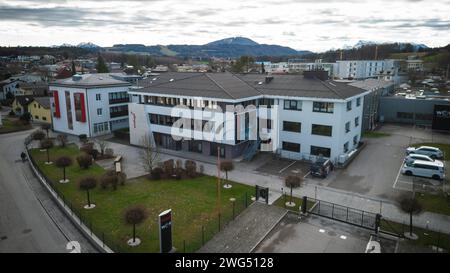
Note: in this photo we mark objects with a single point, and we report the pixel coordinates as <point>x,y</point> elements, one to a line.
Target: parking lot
<point>376,170</point>
<point>285,167</point>
<point>410,183</point>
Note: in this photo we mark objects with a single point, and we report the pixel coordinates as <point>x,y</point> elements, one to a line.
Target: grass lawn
<point>9,126</point>
<point>434,203</point>
<point>426,238</point>
<point>374,134</point>
<point>193,203</point>
<point>280,202</point>
<point>444,147</point>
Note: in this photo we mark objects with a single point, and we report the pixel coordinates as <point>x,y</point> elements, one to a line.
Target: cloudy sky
<point>315,25</point>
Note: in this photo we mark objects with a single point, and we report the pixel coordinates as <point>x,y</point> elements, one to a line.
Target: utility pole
<point>218,180</point>
<point>376,52</point>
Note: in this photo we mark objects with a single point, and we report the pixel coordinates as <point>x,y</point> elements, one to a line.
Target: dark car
<point>321,168</point>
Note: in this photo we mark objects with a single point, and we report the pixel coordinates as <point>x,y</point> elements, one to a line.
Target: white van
<point>433,170</point>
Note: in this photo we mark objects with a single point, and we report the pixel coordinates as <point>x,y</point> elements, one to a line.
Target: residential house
<point>40,110</point>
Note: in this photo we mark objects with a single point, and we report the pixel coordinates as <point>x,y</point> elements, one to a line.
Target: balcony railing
<point>119,114</point>
<point>115,101</point>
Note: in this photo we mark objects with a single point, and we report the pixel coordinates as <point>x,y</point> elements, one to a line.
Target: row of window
<point>418,116</point>
<point>315,150</point>
<point>349,104</point>
<point>169,121</point>
<point>316,129</point>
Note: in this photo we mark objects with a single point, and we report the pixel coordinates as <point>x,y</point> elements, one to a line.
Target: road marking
<point>285,168</point>
<point>306,174</point>
<point>398,175</point>
<point>343,237</point>
<point>321,230</point>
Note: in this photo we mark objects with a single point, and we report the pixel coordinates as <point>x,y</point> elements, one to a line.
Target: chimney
<point>319,74</point>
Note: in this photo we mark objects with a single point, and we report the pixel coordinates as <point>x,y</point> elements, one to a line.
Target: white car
<point>425,150</point>
<point>433,170</point>
<point>411,157</point>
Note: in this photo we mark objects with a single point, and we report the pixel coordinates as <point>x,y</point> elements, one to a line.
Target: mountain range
<point>227,48</point>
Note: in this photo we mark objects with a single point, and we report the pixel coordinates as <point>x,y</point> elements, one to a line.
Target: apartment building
<point>299,116</point>
<point>358,69</point>
<point>297,66</point>
<point>91,104</point>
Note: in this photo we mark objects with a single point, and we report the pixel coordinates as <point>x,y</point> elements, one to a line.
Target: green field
<point>374,134</point>
<point>280,202</point>
<point>434,203</point>
<point>193,202</point>
<point>10,126</point>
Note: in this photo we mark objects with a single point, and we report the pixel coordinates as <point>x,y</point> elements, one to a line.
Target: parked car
<point>425,150</point>
<point>321,168</point>
<point>433,170</point>
<point>411,157</point>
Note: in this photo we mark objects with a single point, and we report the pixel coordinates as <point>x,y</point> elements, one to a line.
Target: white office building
<point>91,104</point>
<point>307,117</point>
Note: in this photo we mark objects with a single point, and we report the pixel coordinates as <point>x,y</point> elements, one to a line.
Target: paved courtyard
<point>313,234</point>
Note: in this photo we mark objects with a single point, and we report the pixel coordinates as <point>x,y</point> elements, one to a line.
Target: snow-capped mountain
<point>88,45</point>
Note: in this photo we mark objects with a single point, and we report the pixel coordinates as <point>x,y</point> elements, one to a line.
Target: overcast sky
<point>315,25</point>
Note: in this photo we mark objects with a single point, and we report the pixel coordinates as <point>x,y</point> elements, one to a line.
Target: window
<point>99,111</point>
<point>98,96</point>
<point>323,107</point>
<point>349,105</point>
<point>358,102</point>
<point>346,147</point>
<point>356,121</point>
<point>293,105</point>
<point>290,126</point>
<point>347,127</point>
<point>44,118</point>
<point>101,127</point>
<point>404,115</point>
<point>320,151</point>
<point>355,140</point>
<point>36,117</point>
<point>322,130</point>
<point>291,147</point>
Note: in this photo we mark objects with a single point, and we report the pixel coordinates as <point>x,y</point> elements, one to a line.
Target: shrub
<point>178,173</point>
<point>84,161</point>
<point>12,113</point>
<point>109,179</point>
<point>62,140</point>
<point>83,138</point>
<point>156,173</point>
<point>168,167</point>
<point>88,148</point>
<point>191,168</point>
<point>179,164</point>
<point>38,135</point>
<point>109,152</point>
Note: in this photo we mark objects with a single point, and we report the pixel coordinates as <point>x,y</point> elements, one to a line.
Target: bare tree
<point>226,166</point>
<point>62,140</point>
<point>102,144</point>
<point>47,144</point>
<point>87,184</point>
<point>149,154</point>
<point>63,162</point>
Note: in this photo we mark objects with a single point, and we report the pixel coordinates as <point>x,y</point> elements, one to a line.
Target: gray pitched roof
<point>43,101</point>
<point>90,81</point>
<point>238,86</point>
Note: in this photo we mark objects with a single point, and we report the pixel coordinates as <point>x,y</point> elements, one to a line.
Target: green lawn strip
<point>280,202</point>
<point>427,238</point>
<point>193,202</point>
<point>9,126</point>
<point>373,134</point>
<point>444,147</point>
<point>434,203</point>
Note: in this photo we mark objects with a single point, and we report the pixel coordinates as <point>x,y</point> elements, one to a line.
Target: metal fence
<point>345,214</point>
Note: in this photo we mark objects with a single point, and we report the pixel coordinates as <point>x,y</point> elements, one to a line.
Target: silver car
<point>432,152</point>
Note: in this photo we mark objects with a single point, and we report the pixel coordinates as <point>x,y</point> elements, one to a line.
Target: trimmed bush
<point>191,168</point>
<point>84,161</point>
<point>156,173</point>
<point>168,167</point>
<point>83,138</point>
<point>38,135</point>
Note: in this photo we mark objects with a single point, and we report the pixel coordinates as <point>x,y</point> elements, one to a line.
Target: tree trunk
<point>64,174</point>
<point>48,156</point>
<point>134,233</point>
<point>410,224</point>
<point>88,199</point>
<point>290,202</point>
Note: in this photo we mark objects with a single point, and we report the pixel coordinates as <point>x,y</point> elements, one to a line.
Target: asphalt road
<point>30,221</point>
